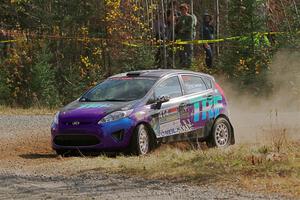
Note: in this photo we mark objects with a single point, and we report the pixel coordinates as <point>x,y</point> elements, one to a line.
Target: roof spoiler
<point>130,74</point>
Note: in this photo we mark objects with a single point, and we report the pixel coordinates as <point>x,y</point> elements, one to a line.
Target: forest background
<point>52,51</point>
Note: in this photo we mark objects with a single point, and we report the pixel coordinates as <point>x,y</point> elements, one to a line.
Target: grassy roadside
<point>5,110</point>
<point>255,168</point>
<point>274,167</point>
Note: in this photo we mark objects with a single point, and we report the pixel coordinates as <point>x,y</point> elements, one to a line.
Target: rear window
<point>193,84</point>
<point>208,82</point>
<point>169,87</point>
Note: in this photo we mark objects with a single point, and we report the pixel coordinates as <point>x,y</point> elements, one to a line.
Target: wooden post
<point>192,13</point>
<point>164,34</point>
<point>285,16</point>
<point>173,34</point>
<point>296,9</point>
<point>217,26</point>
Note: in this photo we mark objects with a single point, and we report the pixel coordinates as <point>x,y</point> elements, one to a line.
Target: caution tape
<point>159,43</point>
<point>8,41</point>
<point>179,42</point>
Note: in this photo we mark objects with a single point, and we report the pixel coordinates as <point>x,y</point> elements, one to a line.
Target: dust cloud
<point>258,119</point>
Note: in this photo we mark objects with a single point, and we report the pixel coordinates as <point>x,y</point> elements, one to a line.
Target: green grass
<point>241,165</point>
<point>5,110</point>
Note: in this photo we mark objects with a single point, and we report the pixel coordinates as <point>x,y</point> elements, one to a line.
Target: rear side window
<point>208,82</point>
<point>170,87</point>
<point>193,84</point>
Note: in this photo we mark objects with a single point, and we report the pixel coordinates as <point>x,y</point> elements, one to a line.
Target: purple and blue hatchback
<point>137,110</point>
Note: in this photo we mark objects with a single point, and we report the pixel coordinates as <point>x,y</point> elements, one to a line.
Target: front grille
<point>77,123</point>
<point>76,140</point>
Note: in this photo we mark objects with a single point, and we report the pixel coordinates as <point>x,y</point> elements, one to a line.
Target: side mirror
<point>163,99</point>
<point>160,100</point>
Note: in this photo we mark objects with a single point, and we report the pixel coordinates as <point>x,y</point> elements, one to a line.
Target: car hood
<point>90,112</point>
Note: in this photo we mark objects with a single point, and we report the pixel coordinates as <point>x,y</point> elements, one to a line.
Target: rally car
<point>137,110</point>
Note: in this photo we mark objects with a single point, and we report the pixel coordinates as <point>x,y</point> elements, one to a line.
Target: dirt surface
<point>29,169</point>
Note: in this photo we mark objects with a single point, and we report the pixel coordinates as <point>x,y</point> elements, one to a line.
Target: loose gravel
<point>25,147</point>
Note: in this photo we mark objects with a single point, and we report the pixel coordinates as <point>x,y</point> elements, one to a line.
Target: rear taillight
<point>219,89</point>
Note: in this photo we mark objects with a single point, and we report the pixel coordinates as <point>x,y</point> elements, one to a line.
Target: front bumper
<point>108,136</point>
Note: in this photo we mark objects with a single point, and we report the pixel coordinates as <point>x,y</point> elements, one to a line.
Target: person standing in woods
<point>207,33</point>
<point>184,32</point>
<point>172,16</point>
<point>160,35</point>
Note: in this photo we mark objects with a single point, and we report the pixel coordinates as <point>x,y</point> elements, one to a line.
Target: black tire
<point>221,134</point>
<point>141,141</point>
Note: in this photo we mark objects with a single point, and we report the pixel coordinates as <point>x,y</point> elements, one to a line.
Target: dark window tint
<point>170,87</point>
<point>120,89</point>
<point>193,84</point>
<point>208,82</point>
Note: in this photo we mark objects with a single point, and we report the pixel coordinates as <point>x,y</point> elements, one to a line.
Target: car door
<point>200,100</point>
<point>168,117</point>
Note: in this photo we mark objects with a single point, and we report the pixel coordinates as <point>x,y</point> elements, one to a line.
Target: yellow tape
<point>8,41</point>
<point>132,45</point>
<point>180,42</point>
<point>224,39</point>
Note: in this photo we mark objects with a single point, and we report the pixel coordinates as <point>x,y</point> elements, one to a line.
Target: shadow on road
<point>37,156</point>
<point>32,156</point>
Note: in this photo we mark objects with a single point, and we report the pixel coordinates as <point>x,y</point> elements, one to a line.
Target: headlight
<point>115,116</point>
<point>55,119</point>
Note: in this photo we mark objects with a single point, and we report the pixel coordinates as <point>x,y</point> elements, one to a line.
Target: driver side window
<point>170,87</point>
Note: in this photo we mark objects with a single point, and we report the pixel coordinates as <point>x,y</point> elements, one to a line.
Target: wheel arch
<point>232,141</point>
<point>151,131</point>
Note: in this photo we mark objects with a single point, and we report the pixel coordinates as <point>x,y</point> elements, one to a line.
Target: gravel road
<point>29,169</point>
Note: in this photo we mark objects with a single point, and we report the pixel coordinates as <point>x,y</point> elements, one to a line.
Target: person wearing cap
<point>207,33</point>
<point>184,32</point>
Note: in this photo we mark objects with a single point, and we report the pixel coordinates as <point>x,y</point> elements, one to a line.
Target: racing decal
<point>175,127</point>
<point>171,122</point>
<point>167,115</point>
<point>169,128</point>
<point>207,108</point>
<point>184,112</point>
<point>94,105</point>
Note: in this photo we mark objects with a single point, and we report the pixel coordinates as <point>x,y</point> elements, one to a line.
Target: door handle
<point>209,97</point>
<point>183,105</point>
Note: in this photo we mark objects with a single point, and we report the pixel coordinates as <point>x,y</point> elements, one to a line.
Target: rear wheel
<point>221,134</point>
<point>141,140</point>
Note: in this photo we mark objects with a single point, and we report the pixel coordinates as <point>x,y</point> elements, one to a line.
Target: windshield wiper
<point>84,99</point>
<point>114,100</point>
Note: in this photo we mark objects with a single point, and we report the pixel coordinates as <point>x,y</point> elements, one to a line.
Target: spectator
<point>208,34</point>
<point>184,32</point>
<point>172,16</point>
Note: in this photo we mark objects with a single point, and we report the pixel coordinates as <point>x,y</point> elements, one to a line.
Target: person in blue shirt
<point>207,33</point>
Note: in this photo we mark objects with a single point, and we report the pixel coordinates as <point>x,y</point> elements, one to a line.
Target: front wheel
<point>141,141</point>
<point>221,134</point>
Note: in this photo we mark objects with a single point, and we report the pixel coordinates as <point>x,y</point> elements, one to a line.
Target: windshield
<point>120,89</point>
